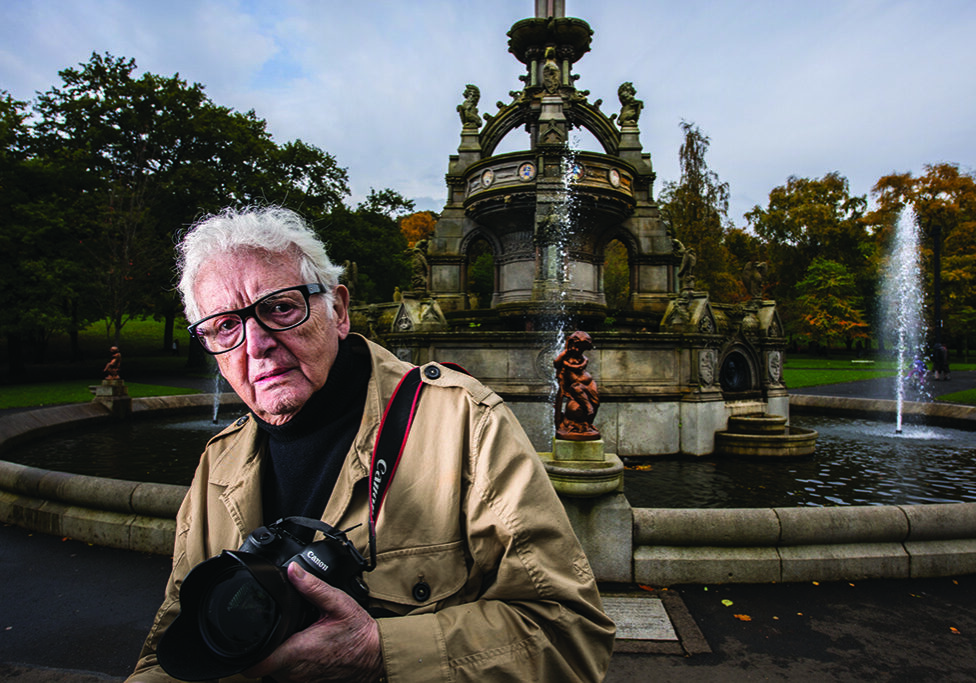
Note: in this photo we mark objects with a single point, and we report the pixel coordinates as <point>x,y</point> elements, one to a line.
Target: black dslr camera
<point>238,607</point>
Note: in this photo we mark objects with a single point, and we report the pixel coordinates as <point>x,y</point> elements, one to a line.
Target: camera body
<point>238,607</point>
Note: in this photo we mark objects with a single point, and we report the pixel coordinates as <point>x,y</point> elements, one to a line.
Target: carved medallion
<point>526,172</point>
<point>706,325</point>
<point>774,362</point>
<point>707,359</point>
<point>614,177</point>
<point>487,178</point>
<point>576,171</point>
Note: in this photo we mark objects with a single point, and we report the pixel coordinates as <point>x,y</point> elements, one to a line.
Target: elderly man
<point>478,573</point>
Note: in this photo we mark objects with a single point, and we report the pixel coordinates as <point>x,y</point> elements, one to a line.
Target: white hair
<point>269,229</point>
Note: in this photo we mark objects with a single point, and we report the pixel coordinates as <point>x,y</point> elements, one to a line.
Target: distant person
<point>478,568</point>
<point>940,362</point>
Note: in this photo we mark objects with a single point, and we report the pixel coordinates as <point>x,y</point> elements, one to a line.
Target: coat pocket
<point>416,577</point>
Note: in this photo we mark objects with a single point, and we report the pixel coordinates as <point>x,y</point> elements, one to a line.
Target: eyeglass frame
<point>307,290</point>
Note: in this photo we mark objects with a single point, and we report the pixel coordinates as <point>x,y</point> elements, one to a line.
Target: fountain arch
<point>548,211</point>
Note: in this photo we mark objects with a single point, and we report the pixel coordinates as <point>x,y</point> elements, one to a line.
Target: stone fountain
<point>674,366</point>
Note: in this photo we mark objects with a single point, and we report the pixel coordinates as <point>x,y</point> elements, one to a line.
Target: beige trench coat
<point>470,512</point>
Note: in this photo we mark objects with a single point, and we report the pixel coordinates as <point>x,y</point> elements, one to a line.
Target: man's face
<point>274,373</point>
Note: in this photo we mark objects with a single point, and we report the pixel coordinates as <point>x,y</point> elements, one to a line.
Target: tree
<point>389,203</point>
<point>804,220</point>
<point>417,226</point>
<point>374,242</point>
<point>830,303</point>
<point>695,211</point>
<point>944,199</point>
<point>146,156</point>
<point>616,275</point>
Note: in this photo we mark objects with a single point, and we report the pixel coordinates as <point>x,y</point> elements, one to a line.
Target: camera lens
<point>237,615</point>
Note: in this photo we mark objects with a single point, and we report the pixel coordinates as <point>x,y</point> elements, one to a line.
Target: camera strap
<point>390,442</point>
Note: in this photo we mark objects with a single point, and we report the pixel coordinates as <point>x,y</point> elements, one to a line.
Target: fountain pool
<point>857,462</point>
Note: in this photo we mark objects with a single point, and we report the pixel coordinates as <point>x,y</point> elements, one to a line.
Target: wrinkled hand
<point>343,645</point>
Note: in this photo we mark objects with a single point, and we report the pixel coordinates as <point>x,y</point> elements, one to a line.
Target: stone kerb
<point>802,544</point>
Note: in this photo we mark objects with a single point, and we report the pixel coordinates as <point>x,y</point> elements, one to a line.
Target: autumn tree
<point>806,219</point>
<point>830,303</point>
<point>944,201</point>
<point>695,211</point>
<point>417,226</point>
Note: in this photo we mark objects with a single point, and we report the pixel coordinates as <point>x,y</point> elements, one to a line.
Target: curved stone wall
<point>668,546</point>
<point>121,514</point>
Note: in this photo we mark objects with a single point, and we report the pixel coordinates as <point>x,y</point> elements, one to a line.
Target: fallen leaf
<point>727,602</point>
<point>851,585</point>
<point>954,630</point>
<point>776,618</point>
<point>742,617</point>
<point>816,583</point>
<point>799,614</point>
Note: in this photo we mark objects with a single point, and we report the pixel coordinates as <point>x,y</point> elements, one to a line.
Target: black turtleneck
<point>307,452</point>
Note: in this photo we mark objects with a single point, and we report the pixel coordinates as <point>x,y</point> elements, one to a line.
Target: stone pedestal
<point>590,483</point>
<point>113,394</point>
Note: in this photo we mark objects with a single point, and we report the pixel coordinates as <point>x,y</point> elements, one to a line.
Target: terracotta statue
<point>574,420</point>
<point>111,368</point>
<point>469,109</point>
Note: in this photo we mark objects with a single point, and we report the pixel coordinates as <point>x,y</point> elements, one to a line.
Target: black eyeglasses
<point>276,312</point>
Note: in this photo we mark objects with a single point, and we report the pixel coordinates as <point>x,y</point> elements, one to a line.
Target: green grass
<point>797,378</point>
<point>967,397</point>
<point>57,393</point>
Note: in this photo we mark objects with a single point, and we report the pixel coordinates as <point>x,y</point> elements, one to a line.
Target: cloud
<point>863,87</point>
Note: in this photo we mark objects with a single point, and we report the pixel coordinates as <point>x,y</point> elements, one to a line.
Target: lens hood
<point>256,609</point>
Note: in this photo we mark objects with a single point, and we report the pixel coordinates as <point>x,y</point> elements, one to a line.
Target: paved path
<point>74,613</point>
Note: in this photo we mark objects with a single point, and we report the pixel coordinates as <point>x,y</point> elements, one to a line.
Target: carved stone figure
<point>686,271</point>
<point>111,368</point>
<point>551,73</point>
<point>469,108</point>
<point>350,278</point>
<point>418,264</point>
<point>753,277</point>
<point>575,386</point>
<point>630,106</point>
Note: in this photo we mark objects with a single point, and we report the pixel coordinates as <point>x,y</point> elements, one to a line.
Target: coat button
<point>421,591</point>
<point>241,421</point>
<point>432,372</point>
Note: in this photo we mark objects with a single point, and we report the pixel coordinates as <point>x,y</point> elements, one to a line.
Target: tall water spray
<point>902,302</point>
<point>555,260</point>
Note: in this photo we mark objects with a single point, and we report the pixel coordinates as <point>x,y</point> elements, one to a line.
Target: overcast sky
<point>788,87</point>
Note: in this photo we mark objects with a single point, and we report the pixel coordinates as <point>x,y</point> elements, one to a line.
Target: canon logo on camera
<point>314,559</point>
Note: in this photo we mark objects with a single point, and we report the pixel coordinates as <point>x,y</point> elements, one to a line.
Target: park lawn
<point>797,378</point>
<point>57,393</point>
<point>967,397</point>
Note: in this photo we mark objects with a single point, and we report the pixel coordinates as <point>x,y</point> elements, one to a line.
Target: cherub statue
<point>469,108</point>
<point>111,368</point>
<point>630,106</point>
<point>575,386</point>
